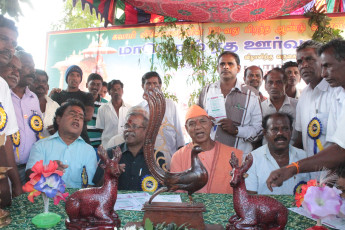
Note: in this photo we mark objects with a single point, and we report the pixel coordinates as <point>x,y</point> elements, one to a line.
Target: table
<point>219,208</point>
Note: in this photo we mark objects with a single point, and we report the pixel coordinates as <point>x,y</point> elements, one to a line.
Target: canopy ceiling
<point>223,11</point>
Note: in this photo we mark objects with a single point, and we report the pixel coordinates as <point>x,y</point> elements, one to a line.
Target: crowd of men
<point>280,131</point>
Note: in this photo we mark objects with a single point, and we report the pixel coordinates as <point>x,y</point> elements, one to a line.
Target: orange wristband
<point>294,164</point>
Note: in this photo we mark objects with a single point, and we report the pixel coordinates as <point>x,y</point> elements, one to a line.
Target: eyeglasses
<point>133,127</point>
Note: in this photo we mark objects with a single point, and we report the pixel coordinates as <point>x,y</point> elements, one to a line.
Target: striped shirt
<point>94,133</point>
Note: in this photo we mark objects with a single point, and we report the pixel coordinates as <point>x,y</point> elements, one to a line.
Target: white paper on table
<point>216,107</point>
<point>333,222</point>
<point>168,198</point>
<point>136,201</point>
<point>126,202</point>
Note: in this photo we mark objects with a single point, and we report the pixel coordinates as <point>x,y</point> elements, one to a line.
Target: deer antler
<point>117,153</point>
<point>247,163</point>
<point>233,160</point>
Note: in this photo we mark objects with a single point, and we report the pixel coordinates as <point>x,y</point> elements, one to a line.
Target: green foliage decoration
<point>324,32</point>
<point>12,7</point>
<point>181,46</point>
<point>76,17</point>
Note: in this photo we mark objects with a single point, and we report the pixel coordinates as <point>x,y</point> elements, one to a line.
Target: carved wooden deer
<point>94,207</point>
<point>253,211</point>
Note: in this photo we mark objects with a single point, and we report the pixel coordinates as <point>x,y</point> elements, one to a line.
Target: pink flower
<point>60,196</point>
<point>323,201</point>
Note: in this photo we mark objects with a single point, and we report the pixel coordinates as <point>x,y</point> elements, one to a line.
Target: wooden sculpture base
<point>85,225</point>
<point>178,213</point>
<point>5,218</point>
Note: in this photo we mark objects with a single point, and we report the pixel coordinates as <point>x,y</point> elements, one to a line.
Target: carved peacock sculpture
<point>190,180</point>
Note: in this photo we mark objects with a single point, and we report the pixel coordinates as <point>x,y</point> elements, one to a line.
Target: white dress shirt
<point>6,102</point>
<point>336,120</point>
<point>264,164</point>
<point>108,120</point>
<point>170,135</point>
<point>314,103</point>
<point>48,115</point>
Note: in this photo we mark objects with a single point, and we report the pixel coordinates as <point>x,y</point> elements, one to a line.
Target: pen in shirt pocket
<point>140,172</point>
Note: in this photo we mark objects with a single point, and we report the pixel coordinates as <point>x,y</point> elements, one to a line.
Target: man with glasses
<point>111,116</point>
<point>136,175</point>
<point>66,147</point>
<point>170,136</point>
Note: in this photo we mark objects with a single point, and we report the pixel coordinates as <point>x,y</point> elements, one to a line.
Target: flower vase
<point>318,226</point>
<point>46,219</point>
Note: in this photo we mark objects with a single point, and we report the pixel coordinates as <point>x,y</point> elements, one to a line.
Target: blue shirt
<point>75,155</point>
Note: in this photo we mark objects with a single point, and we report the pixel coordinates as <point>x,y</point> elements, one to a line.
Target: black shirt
<point>85,98</point>
<point>136,168</point>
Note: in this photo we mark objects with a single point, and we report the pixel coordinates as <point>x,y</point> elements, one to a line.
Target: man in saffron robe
<point>215,157</point>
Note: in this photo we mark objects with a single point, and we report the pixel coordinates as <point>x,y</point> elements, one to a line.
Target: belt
<point>21,166</point>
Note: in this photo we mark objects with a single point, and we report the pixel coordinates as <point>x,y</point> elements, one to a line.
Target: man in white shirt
<point>242,125</point>
<point>170,137</point>
<point>253,76</point>
<point>275,84</point>
<point>332,59</point>
<point>111,117</point>
<point>48,107</point>
<point>275,154</point>
<point>314,104</point>
<point>8,42</point>
<point>291,70</point>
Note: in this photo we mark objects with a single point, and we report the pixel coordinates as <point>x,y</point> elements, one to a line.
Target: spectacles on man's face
<point>132,127</point>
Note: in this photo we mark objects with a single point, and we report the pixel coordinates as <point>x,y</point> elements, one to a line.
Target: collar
<point>99,99</point>
<point>323,85</point>
<point>56,135</point>
<point>340,94</point>
<point>124,148</point>
<point>122,105</point>
<point>237,86</point>
<point>292,152</point>
<point>27,93</point>
<point>48,98</point>
<point>286,101</point>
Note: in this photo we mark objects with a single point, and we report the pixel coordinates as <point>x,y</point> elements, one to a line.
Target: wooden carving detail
<point>253,211</point>
<point>94,207</point>
<point>190,180</point>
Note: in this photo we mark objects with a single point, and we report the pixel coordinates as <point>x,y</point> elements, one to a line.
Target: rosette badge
<point>36,124</point>
<point>314,132</point>
<point>3,118</point>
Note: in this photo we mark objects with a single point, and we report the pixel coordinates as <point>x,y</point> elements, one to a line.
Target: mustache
<point>6,52</point>
<point>280,138</point>
<point>39,87</point>
<point>132,134</point>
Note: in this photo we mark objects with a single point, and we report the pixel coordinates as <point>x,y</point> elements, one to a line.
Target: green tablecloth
<point>219,208</point>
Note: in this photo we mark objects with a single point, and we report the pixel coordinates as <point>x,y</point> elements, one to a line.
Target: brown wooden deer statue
<point>253,211</point>
<point>93,208</point>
